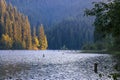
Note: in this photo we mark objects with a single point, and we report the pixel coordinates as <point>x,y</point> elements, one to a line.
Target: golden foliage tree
<point>6,42</point>
<point>35,40</point>
<point>42,38</point>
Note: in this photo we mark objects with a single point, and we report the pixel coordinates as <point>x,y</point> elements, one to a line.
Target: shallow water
<point>55,65</point>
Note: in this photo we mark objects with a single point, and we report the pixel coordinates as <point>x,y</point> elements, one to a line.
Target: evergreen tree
<point>2,11</point>
<point>28,38</point>
<point>2,7</point>
<point>42,38</point>
<point>35,40</point>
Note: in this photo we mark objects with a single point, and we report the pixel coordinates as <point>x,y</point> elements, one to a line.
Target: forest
<point>71,33</point>
<point>66,28</point>
<point>15,30</point>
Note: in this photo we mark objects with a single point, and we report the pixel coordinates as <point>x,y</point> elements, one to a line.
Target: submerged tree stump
<point>43,55</point>
<point>96,67</point>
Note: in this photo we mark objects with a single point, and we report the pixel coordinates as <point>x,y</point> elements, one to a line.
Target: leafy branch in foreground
<point>107,22</point>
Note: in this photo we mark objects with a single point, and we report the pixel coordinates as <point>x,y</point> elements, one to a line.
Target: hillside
<point>49,12</point>
<point>60,18</point>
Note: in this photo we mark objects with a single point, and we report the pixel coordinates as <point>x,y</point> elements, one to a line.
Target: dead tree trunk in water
<point>43,55</point>
<point>95,67</point>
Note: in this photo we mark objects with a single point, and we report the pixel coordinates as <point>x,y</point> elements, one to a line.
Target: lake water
<point>55,65</point>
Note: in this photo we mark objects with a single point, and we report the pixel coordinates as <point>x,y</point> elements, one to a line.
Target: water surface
<point>55,65</point>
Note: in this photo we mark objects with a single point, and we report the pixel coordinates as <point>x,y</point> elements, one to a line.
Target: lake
<point>55,65</point>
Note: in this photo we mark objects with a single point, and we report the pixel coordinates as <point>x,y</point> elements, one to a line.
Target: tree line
<point>15,30</point>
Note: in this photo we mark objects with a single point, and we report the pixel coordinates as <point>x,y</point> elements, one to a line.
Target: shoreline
<point>101,52</point>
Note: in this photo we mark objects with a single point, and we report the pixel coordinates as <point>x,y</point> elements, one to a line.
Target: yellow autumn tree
<point>35,41</point>
<point>42,38</point>
<point>6,42</point>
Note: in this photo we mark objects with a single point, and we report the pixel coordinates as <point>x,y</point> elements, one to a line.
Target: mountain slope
<point>49,12</point>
